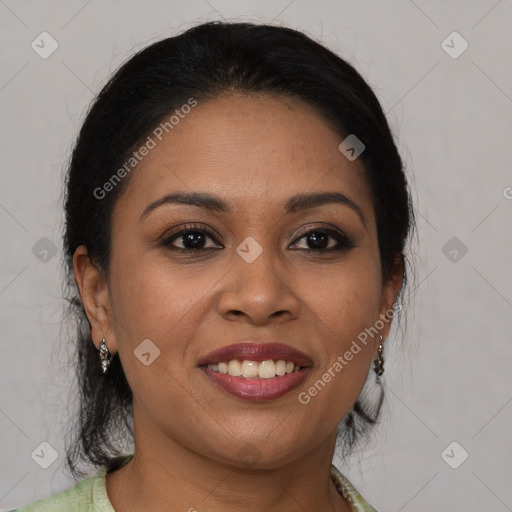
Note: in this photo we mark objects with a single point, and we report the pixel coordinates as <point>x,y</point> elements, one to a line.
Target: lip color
<point>256,352</point>
<point>256,389</point>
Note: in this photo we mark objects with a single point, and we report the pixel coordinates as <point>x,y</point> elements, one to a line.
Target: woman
<point>236,218</point>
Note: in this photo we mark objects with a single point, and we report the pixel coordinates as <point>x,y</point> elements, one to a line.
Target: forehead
<point>253,150</point>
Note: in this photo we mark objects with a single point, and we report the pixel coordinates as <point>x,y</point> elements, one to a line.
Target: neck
<point>165,475</point>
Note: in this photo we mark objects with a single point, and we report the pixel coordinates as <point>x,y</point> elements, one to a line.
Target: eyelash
<point>344,242</point>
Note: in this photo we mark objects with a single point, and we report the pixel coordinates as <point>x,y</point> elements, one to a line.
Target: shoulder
<point>88,495</point>
<point>80,498</point>
<point>349,492</point>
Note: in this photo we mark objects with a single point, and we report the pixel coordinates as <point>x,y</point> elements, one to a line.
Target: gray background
<point>450,377</point>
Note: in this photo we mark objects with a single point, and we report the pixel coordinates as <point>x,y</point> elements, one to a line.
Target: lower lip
<point>257,389</point>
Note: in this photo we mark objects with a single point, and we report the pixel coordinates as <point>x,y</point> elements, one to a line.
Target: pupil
<point>189,239</point>
<point>320,240</point>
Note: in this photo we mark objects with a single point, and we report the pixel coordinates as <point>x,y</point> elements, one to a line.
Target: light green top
<point>90,495</point>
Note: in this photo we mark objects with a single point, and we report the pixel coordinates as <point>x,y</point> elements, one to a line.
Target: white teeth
<point>280,367</point>
<point>253,369</point>
<point>235,368</point>
<point>223,367</point>
<point>267,369</point>
<point>249,369</point>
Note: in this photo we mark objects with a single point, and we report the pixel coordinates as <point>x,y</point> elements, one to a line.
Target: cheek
<point>162,302</point>
<point>345,298</point>
<point>343,305</point>
<point>156,296</point>
<point>157,302</point>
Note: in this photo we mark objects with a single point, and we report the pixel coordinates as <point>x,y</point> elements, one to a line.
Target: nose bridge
<point>258,288</point>
<point>258,266</point>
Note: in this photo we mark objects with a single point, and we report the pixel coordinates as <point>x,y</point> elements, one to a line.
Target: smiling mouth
<point>256,381</point>
<point>256,371</point>
<point>249,369</point>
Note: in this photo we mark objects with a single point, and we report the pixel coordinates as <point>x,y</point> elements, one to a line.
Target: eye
<point>318,239</point>
<point>192,238</point>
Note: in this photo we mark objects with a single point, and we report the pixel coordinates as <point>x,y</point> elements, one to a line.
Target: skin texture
<point>253,151</point>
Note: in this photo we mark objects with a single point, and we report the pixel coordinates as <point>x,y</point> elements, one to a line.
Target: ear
<point>94,292</point>
<point>389,295</point>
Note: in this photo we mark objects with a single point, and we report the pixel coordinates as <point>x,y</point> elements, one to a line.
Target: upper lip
<point>256,352</point>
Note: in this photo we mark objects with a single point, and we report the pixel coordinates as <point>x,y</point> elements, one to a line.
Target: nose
<point>258,292</point>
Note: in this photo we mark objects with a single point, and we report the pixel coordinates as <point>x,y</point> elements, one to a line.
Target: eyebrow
<point>294,204</point>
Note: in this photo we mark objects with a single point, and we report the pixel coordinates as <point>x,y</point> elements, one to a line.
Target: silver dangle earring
<point>104,356</point>
<point>378,362</point>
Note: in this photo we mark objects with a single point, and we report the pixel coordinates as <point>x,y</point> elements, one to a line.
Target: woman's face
<point>247,272</point>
